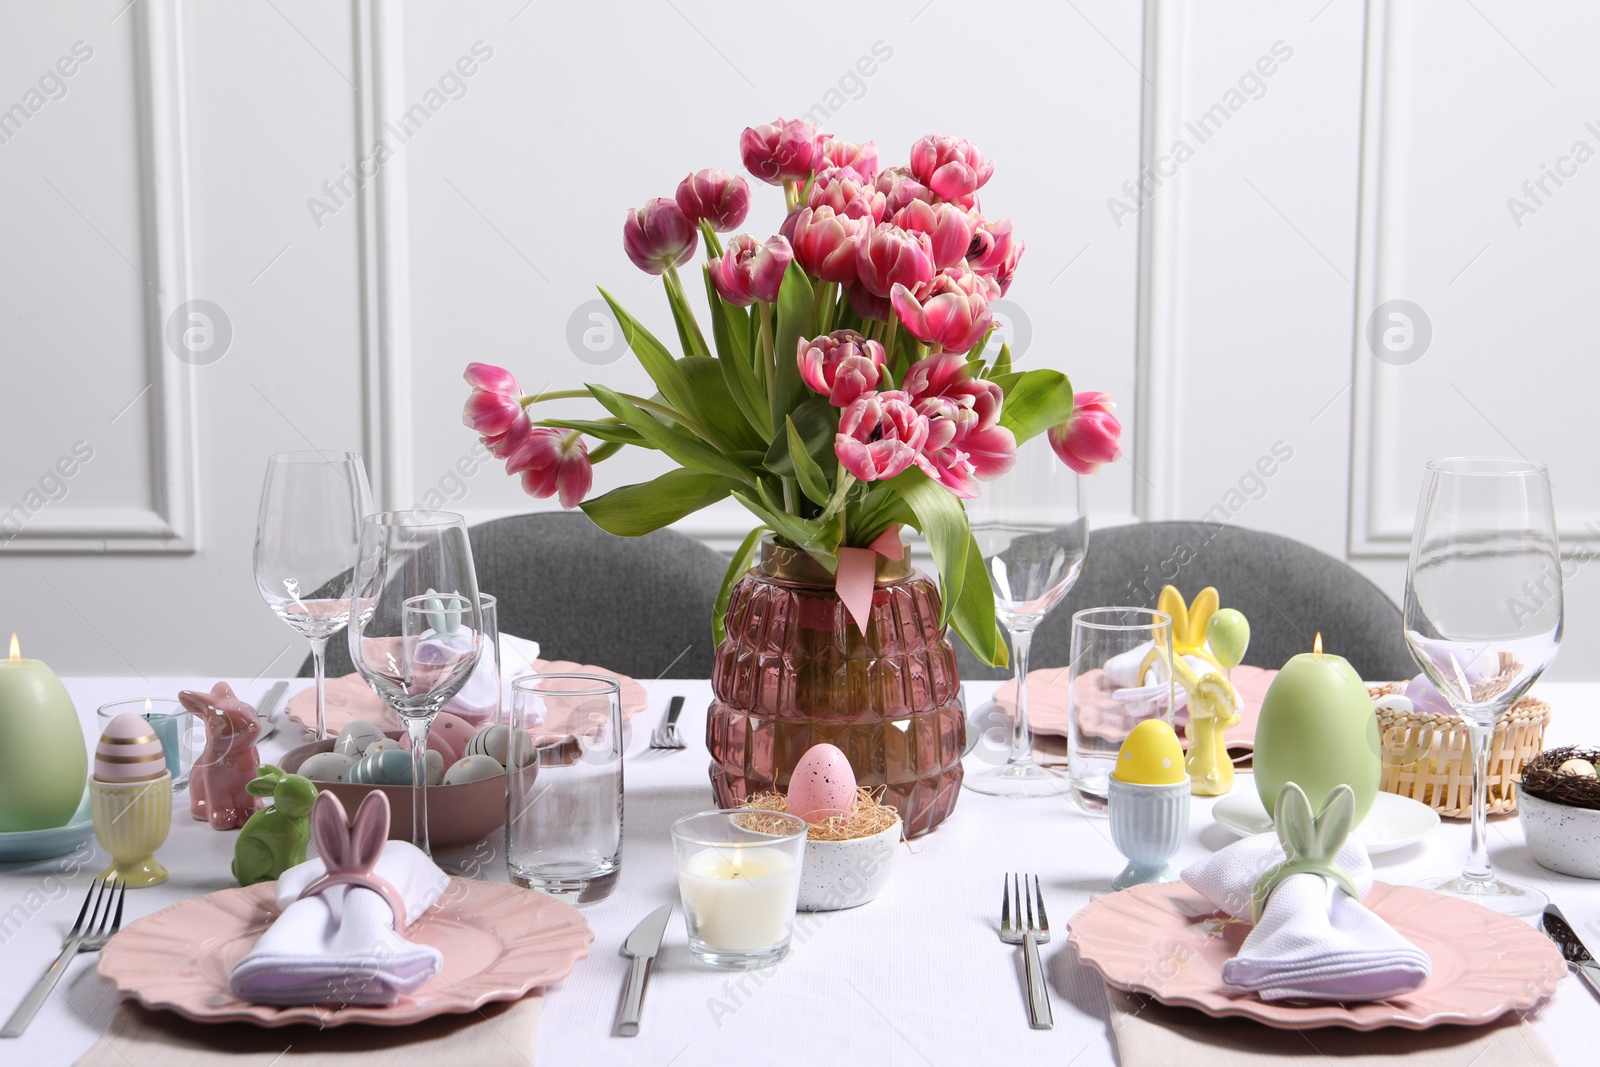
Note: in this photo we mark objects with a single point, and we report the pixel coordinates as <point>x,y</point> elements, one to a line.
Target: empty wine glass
<point>416,625</point>
<point>307,532</point>
<point>1031,528</point>
<point>1483,619</point>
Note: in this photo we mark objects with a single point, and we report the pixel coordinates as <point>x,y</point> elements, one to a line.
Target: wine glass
<point>1483,619</point>
<point>416,625</point>
<point>306,536</point>
<point>1031,527</point>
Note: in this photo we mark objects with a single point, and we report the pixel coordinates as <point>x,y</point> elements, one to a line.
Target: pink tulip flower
<point>887,256</point>
<point>995,251</point>
<point>659,235</point>
<point>842,365</point>
<point>870,305</point>
<point>862,158</point>
<point>1091,437</point>
<point>782,150</point>
<point>951,312</point>
<point>965,439</point>
<point>749,270</point>
<point>899,188</point>
<point>847,192</point>
<point>501,445</point>
<point>825,242</point>
<point>495,400</point>
<point>553,461</point>
<point>880,435</point>
<point>953,168</point>
<point>948,227</point>
<point>715,196</point>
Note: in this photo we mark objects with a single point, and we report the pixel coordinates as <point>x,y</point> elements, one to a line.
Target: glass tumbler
<point>183,736</point>
<point>1120,674</point>
<point>739,880</point>
<point>564,785</point>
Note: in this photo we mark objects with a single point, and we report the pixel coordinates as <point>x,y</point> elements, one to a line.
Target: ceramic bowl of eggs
<point>1558,803</point>
<point>465,766</point>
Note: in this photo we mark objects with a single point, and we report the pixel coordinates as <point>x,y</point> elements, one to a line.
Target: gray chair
<point>638,605</point>
<point>1288,591</point>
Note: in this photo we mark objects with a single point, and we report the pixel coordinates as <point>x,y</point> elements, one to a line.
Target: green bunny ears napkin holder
<point>1310,842</point>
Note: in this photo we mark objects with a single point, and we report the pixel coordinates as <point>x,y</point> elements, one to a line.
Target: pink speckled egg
<point>449,736</point>
<point>823,785</point>
<point>129,751</point>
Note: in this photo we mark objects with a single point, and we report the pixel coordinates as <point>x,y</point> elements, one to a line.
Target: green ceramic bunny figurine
<point>1310,843</point>
<point>274,839</point>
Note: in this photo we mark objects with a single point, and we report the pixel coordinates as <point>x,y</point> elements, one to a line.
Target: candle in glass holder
<point>44,762</point>
<point>739,879</point>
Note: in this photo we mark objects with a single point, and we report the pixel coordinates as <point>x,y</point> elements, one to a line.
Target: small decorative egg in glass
<point>1148,798</point>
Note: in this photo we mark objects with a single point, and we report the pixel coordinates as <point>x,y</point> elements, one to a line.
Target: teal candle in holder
<point>1318,729</point>
<point>43,759</point>
<point>173,726</point>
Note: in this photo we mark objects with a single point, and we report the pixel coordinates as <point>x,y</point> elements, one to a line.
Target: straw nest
<point>869,816</point>
<point>1544,778</point>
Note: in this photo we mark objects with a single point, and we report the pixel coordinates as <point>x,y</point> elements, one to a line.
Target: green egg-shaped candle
<point>1317,729</point>
<point>44,762</point>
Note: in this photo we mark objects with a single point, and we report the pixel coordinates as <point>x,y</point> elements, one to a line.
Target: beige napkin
<point>502,1033</point>
<point>1149,1034</point>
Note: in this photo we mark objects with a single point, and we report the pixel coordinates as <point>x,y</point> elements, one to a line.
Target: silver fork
<point>1016,900</point>
<point>83,938</point>
<point>666,735</point>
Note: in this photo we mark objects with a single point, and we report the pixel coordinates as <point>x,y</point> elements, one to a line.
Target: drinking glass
<point>182,736</point>
<point>1119,675</point>
<point>1031,527</point>
<point>739,881</point>
<point>416,624</point>
<point>564,797</point>
<point>307,532</point>
<point>1483,619</point>
<point>479,701</point>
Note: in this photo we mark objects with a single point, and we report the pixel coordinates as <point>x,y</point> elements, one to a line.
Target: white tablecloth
<point>917,977</point>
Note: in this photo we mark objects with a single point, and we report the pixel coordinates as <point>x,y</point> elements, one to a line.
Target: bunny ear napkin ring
<point>350,849</point>
<point>1310,843</point>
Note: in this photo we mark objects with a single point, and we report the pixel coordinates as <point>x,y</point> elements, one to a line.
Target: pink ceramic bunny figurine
<point>350,850</point>
<point>218,784</point>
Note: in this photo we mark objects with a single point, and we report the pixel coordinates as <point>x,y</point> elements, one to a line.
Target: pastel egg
<point>495,742</point>
<point>382,744</point>
<point>129,751</point>
<point>355,737</point>
<point>472,769</point>
<point>326,766</point>
<point>1577,766</point>
<point>1151,755</point>
<point>392,767</point>
<point>449,736</point>
<point>823,785</point>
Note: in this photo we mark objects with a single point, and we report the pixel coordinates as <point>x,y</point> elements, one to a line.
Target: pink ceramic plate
<point>1102,716</point>
<point>348,698</point>
<point>499,941</point>
<point>1166,941</point>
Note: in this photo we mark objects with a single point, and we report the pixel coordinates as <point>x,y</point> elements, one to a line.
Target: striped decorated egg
<point>392,767</point>
<point>129,751</point>
<point>495,742</point>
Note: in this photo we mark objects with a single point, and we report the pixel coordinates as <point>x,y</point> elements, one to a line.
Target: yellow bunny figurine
<point>1213,702</point>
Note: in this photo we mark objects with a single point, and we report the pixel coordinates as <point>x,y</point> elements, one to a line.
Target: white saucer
<point>1394,821</point>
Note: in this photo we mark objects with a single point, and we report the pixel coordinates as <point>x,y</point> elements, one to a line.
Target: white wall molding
<point>385,257</point>
<point>170,523</point>
<point>1157,373</point>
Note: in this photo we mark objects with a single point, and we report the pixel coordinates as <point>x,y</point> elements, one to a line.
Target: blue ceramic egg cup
<point>1148,825</point>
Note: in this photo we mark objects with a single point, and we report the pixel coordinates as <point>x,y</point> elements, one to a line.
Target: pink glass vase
<point>795,671</point>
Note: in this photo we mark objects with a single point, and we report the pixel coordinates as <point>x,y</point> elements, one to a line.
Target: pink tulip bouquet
<point>838,389</point>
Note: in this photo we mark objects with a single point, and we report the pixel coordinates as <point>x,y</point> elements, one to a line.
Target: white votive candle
<point>739,899</point>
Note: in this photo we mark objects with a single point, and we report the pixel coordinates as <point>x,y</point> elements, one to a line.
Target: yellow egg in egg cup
<point>1148,802</point>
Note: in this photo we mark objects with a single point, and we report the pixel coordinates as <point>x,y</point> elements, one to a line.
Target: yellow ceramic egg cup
<point>131,820</point>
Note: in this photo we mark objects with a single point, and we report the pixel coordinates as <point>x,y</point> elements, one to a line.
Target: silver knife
<point>268,707</point>
<point>642,945</point>
<point>1576,953</point>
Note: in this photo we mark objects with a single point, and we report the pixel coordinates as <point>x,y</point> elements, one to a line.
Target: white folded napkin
<point>1314,942</point>
<point>484,695</point>
<point>340,946</point>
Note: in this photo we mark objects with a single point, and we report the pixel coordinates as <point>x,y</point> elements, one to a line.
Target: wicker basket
<point>1427,757</point>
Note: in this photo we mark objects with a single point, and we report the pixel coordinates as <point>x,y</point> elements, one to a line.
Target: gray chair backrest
<point>638,605</point>
<point>1288,591</point>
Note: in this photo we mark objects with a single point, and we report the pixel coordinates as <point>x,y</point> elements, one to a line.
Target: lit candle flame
<point>1316,646</point>
<point>147,708</point>
<point>16,648</point>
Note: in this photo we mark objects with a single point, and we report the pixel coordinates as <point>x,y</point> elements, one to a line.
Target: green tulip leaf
<point>634,510</point>
<point>1035,401</point>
